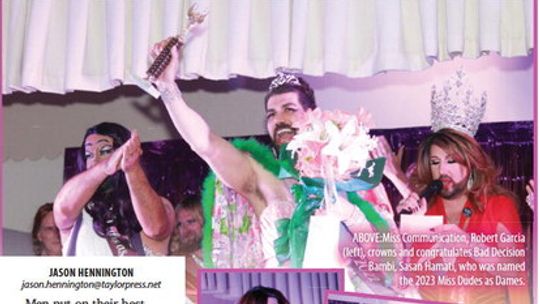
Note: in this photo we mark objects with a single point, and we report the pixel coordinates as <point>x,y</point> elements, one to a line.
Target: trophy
<point>164,57</point>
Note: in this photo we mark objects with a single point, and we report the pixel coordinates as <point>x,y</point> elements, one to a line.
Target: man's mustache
<point>283,125</point>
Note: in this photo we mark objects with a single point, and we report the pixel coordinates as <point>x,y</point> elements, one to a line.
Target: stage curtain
<point>64,45</point>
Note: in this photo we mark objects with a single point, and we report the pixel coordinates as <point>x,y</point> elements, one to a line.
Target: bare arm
<point>77,191</point>
<point>153,212</point>
<point>232,166</point>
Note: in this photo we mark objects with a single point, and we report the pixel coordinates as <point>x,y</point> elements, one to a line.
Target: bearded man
<point>245,198</point>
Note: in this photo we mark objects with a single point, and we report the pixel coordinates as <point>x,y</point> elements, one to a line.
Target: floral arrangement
<point>332,144</point>
<point>328,155</point>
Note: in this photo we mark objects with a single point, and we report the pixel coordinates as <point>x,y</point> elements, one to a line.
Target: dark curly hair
<point>261,294</point>
<point>111,203</point>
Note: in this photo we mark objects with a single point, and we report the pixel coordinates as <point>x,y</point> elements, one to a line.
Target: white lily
<point>346,148</point>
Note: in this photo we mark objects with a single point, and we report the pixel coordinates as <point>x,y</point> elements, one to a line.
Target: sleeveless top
<point>84,241</point>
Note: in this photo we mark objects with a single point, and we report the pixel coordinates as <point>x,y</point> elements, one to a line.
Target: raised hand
<point>392,167</point>
<point>413,203</point>
<point>162,56</point>
<point>169,66</point>
<point>393,161</point>
<point>125,157</point>
<point>131,152</point>
<point>113,163</point>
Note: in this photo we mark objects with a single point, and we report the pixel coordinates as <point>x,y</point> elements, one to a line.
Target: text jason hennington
<point>91,272</point>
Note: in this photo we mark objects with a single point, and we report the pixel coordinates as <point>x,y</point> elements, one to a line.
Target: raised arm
<point>232,166</point>
<point>392,167</point>
<point>77,191</point>
<point>155,213</point>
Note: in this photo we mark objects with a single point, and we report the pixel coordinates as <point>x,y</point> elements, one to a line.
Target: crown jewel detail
<point>456,107</point>
<point>282,79</point>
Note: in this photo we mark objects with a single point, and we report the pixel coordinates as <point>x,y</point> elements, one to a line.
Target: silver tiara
<point>456,107</point>
<point>282,79</point>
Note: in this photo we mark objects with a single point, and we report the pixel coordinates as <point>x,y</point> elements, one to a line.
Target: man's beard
<point>458,189</point>
<point>189,244</point>
<point>285,137</point>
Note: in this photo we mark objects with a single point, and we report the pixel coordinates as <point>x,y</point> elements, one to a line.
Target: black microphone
<point>432,189</point>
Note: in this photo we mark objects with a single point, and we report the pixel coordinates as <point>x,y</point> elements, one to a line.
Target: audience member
<point>45,235</point>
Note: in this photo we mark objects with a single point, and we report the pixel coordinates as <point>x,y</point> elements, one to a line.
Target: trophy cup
<point>164,57</point>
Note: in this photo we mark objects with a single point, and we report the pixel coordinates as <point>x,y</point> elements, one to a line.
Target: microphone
<point>432,189</point>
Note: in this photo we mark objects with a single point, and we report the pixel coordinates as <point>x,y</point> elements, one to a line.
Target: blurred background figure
<point>186,240</point>
<point>45,235</point>
<point>187,236</point>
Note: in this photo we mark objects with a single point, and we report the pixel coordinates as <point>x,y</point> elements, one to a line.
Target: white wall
<point>402,99</point>
<point>38,127</point>
<point>16,242</point>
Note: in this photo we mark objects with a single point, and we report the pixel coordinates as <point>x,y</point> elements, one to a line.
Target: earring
<point>470,181</point>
